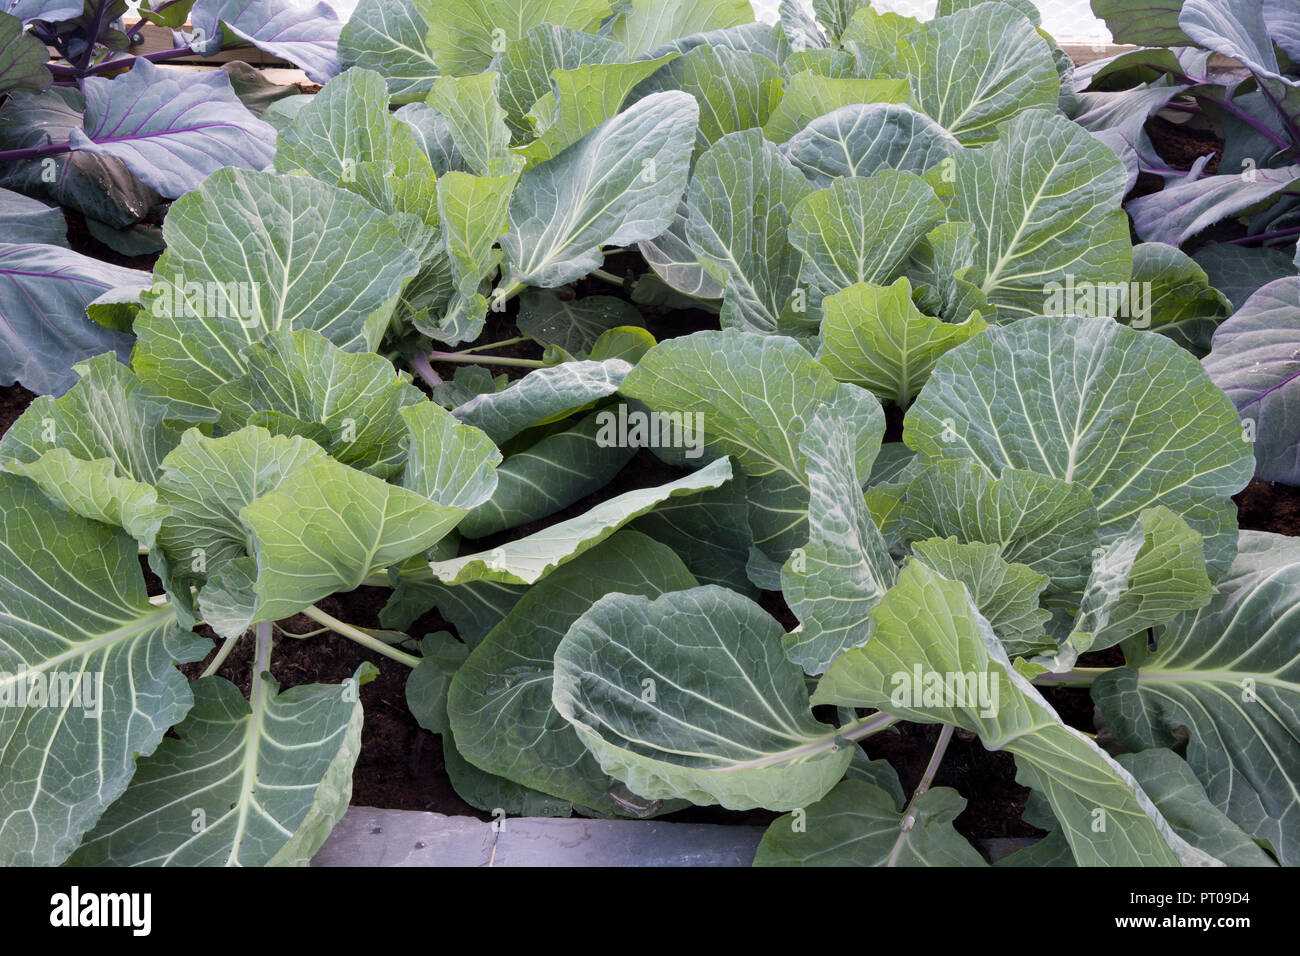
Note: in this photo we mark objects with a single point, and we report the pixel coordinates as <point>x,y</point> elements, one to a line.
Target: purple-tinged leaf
<point>1124,114</point>
<point>1178,212</point>
<point>44,291</point>
<point>1283,22</point>
<point>100,187</point>
<point>172,128</point>
<point>23,219</point>
<point>307,36</point>
<point>1237,29</point>
<point>1256,359</point>
<point>48,10</point>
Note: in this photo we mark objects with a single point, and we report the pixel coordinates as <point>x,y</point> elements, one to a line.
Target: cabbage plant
<point>882,239</point>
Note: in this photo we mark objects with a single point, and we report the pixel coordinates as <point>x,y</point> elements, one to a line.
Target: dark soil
<point>1269,506</point>
<point>1180,145</point>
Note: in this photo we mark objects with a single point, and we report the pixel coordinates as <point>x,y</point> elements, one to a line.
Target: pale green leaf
<point>689,695</point>
<point>500,700</point>
<point>267,252</point>
<point>267,781</point>
<point>875,337</point>
<point>617,185</point>
<point>527,560</point>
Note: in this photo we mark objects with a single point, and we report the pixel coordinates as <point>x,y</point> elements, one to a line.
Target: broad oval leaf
<point>75,622</point>
<point>875,337</point>
<point>740,200</point>
<point>248,253</point>
<point>1045,202</point>
<point>392,37</point>
<point>864,138</point>
<point>170,127</point>
<point>756,394</point>
<point>1006,67</point>
<point>1230,675</point>
<point>617,185</point>
<point>270,777</point>
<point>724,718</point>
<point>1128,415</point>
<point>500,705</point>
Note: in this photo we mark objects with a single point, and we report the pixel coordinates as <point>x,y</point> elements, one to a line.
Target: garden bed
<point>401,766</point>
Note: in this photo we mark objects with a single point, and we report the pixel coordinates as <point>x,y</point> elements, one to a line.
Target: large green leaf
<point>394,38</point>
<point>860,230</point>
<point>977,68</point>
<point>476,120</point>
<point>1045,201</point>
<point>1045,523</point>
<point>542,395</point>
<point>689,695</point>
<point>709,532</point>
<point>473,211</point>
<point>864,138</point>
<point>268,252</point>
<point>346,137</point>
<point>619,184</point>
<point>1128,415</point>
<point>934,659</point>
<point>87,681</point>
<point>1144,578</point>
<point>326,526</point>
<point>527,63</point>
<point>1230,675</point>
<point>204,484</point>
<point>547,477</point>
<point>857,824</point>
<point>580,100</point>
<point>500,705</point>
<point>243,783</point>
<point>736,90</point>
<point>833,582</point>
<point>875,337</point>
<point>299,383</point>
<point>1183,304</point>
<point>97,449</point>
<point>466,34</point>
<point>1005,593</point>
<point>809,95</point>
<point>674,261</point>
<point>644,25</point>
<point>757,394</point>
<point>527,560</point>
<point>740,200</point>
<point>1170,782</point>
